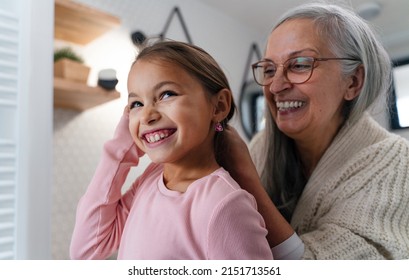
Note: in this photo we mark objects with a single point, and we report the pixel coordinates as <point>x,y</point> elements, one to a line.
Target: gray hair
<point>348,36</point>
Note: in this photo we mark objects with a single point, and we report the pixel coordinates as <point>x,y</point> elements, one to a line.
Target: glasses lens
<point>263,72</point>
<point>299,69</point>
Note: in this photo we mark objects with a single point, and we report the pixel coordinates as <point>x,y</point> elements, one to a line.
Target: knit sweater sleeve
<point>362,212</point>
<point>102,211</point>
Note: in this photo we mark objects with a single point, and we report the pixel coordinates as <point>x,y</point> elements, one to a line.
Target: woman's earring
<point>218,127</point>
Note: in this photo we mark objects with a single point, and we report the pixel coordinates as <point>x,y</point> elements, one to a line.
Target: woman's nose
<point>279,82</point>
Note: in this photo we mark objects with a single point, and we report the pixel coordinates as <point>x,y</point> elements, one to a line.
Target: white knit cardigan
<point>356,203</point>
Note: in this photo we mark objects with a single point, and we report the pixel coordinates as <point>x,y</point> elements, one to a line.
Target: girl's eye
<point>167,94</point>
<point>135,104</point>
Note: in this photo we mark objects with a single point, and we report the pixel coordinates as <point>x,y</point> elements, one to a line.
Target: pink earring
<point>218,127</point>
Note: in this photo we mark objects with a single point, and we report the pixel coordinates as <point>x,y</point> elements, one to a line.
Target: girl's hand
<point>123,143</point>
<point>126,110</point>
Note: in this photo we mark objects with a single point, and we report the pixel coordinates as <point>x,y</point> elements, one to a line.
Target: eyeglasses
<point>297,70</point>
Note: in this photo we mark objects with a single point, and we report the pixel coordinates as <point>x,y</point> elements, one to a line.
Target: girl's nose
<point>149,115</point>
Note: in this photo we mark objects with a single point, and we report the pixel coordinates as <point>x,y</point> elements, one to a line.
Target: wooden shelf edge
<point>80,24</point>
<point>77,96</point>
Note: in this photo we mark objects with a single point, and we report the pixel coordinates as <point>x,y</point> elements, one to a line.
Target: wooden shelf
<point>78,96</point>
<point>80,24</point>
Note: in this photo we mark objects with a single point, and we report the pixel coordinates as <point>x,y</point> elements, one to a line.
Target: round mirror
<point>251,108</point>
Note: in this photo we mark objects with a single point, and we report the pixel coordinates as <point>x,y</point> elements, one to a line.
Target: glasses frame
<point>285,68</point>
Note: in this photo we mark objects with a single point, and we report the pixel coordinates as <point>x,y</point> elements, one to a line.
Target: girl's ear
<point>222,105</point>
<point>356,83</point>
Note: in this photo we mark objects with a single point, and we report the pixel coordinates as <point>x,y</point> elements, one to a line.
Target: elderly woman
<point>337,182</point>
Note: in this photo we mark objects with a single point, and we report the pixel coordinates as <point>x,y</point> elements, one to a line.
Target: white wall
<point>78,137</point>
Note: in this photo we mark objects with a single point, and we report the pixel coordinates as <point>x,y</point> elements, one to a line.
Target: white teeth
<point>281,106</point>
<point>155,137</point>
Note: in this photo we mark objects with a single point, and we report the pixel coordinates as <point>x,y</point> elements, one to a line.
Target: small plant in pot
<point>70,66</point>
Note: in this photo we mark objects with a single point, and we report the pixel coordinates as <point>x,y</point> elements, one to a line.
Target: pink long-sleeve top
<point>213,219</point>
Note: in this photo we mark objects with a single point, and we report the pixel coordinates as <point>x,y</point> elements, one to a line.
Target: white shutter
<point>8,132</point>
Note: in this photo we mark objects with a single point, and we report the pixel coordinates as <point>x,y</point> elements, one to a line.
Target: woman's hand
<point>235,158</point>
<point>237,161</point>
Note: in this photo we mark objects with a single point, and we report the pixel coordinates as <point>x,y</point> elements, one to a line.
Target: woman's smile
<point>289,106</point>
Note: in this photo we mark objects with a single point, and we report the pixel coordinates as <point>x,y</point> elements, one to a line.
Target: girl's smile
<point>158,135</point>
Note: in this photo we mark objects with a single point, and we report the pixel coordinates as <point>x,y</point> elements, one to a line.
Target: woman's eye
<point>135,104</point>
<point>300,67</point>
<point>269,71</point>
<point>300,64</point>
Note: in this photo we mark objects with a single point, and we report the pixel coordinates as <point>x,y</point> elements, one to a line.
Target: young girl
<point>184,205</point>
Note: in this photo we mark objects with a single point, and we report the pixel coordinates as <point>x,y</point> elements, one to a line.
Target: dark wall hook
<point>138,37</point>
<point>176,12</point>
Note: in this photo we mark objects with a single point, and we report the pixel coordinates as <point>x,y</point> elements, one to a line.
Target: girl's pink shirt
<point>213,219</point>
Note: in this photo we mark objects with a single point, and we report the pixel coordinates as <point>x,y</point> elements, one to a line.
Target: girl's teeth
<point>157,136</point>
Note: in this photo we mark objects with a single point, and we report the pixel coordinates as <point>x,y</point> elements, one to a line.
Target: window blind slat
<point>9,65</point>
<point>7,255</point>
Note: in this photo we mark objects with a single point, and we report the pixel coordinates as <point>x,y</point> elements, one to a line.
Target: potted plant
<point>70,66</point>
